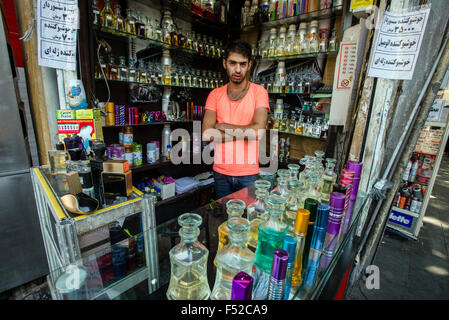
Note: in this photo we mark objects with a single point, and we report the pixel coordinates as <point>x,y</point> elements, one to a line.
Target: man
<point>234,114</point>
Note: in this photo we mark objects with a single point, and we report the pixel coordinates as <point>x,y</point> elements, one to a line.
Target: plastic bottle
<point>413,171</point>
<point>407,171</point>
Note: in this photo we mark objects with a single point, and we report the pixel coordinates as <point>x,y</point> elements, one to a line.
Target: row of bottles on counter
<point>308,39</point>
<point>164,31</point>
<point>156,73</point>
<point>264,10</point>
<point>288,238</point>
<point>410,196</point>
<point>299,121</point>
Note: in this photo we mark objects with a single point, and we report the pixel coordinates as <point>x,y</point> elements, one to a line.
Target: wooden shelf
<point>150,123</point>
<point>299,135</point>
<point>297,56</point>
<point>154,84</point>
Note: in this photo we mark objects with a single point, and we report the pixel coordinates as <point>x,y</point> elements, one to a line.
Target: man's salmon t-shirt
<point>239,157</point>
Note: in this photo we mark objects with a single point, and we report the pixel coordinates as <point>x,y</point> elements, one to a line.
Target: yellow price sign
<point>359,5</point>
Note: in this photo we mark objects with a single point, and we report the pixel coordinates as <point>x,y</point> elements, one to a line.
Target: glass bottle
<point>291,207</point>
<point>205,45</point>
<point>189,41</point>
<point>119,21</point>
<point>282,188</point>
<point>194,42</point>
<point>317,128</point>
<point>200,44</point>
<point>122,69</point>
<point>107,15</point>
<point>232,258</point>
<point>149,31</point>
<point>271,233</point>
<point>183,78</point>
<point>205,83</point>
<point>174,39</point>
<point>132,74</point>
<point>139,25</point>
<point>142,76</point>
<point>302,38</point>
<point>194,79</point>
<point>181,38</point>
<point>175,76</point>
<point>234,208</point>
<point>157,35</point>
<point>329,178</point>
<point>95,13</point>
<point>188,259</point>
<point>280,46</point>
<point>312,191</point>
<point>212,47</point>
<point>113,68</point>
<point>300,232</point>
<point>218,48</point>
<point>200,78</point>
<point>216,79</point>
<point>256,212</point>
<point>313,37</point>
<point>101,65</point>
<point>293,169</point>
<point>291,36</point>
<point>333,41</point>
<point>189,78</point>
<point>273,42</point>
<point>130,22</point>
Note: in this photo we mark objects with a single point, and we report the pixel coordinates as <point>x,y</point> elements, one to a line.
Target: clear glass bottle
<point>333,41</point>
<point>132,73</point>
<point>119,21</point>
<point>317,128</point>
<point>212,47</point>
<point>194,79</point>
<point>130,22</point>
<point>271,233</point>
<point>200,78</point>
<point>256,212</point>
<point>329,178</point>
<point>157,31</point>
<point>122,69</point>
<point>149,31</point>
<point>280,45</point>
<point>232,258</point>
<point>312,192</point>
<point>293,168</point>
<point>313,37</point>
<point>290,41</point>
<point>188,259</point>
<point>273,43</point>
<point>234,208</point>
<point>291,207</point>
<point>302,38</point>
<point>174,39</point>
<point>142,76</point>
<point>189,41</point>
<point>205,45</point>
<point>107,15</point>
<point>113,68</point>
<point>282,187</point>
<point>95,13</point>
<point>194,42</point>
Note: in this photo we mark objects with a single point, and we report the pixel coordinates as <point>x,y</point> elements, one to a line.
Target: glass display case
<point>118,268</point>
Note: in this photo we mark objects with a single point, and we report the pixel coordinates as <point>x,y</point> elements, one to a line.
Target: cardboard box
<point>116,166</point>
<point>74,182</point>
<point>167,190</point>
<point>117,184</point>
<point>86,128</point>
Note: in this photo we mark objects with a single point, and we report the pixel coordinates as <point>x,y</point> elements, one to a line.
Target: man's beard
<point>242,77</point>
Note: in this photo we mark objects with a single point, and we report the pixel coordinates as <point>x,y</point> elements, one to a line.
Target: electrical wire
<point>102,72</point>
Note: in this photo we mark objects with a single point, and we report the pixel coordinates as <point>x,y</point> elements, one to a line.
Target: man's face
<point>236,67</point>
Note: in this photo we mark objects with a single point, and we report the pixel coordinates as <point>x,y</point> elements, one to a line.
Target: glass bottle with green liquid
<point>188,259</point>
<point>257,212</point>
<point>271,235</point>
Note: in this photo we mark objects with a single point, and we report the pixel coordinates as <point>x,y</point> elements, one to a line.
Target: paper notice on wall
<point>57,24</point>
<point>398,44</point>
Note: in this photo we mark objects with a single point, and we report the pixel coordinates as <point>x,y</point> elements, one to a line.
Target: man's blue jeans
<point>225,184</point>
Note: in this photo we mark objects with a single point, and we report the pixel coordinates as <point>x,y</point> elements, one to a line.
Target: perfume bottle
<point>276,286</point>
<point>119,21</point>
<point>130,22</point>
<point>132,74</point>
<point>313,37</point>
<point>271,233</point>
<point>234,208</point>
<point>282,188</point>
<point>329,179</point>
<point>188,259</point>
<point>95,13</point>
<point>333,41</point>
<point>300,231</point>
<point>257,212</point>
<point>122,69</point>
<point>291,207</point>
<point>232,258</point>
<point>113,68</point>
<point>107,15</point>
<point>157,31</point>
<point>174,39</point>
<point>148,28</point>
<point>139,25</point>
<point>142,76</point>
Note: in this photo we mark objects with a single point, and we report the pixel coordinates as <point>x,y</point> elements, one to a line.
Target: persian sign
<point>398,44</point>
<point>57,24</point>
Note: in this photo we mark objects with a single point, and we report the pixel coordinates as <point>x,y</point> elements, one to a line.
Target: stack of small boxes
<point>429,141</point>
<point>70,122</point>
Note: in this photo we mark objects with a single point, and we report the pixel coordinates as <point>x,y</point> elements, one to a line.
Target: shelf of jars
<point>297,56</point>
<point>321,14</point>
<point>207,49</point>
<point>181,84</point>
<point>321,137</point>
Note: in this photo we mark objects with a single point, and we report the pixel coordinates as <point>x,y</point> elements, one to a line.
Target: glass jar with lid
<point>273,42</point>
<point>188,259</point>
<point>302,38</point>
<point>130,22</point>
<point>119,21</point>
<point>232,258</point>
<point>313,37</point>
<point>280,48</point>
<point>290,42</point>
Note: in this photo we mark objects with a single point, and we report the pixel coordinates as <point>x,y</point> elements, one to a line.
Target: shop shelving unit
<point>61,231</point>
<point>409,223</point>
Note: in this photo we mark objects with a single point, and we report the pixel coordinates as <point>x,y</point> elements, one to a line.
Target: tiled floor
<point>416,269</point>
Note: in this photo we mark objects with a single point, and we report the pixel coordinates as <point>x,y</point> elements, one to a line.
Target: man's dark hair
<point>238,46</point>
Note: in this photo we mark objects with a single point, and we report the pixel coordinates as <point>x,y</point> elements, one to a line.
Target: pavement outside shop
<point>415,270</point>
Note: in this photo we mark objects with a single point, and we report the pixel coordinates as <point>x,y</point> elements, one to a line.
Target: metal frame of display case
<point>60,234</point>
